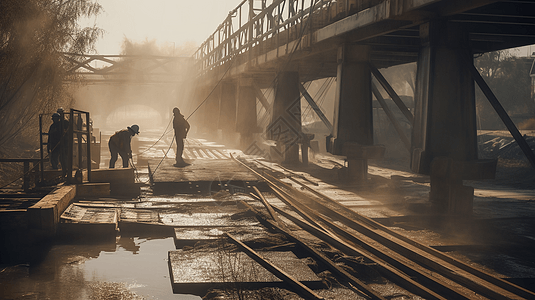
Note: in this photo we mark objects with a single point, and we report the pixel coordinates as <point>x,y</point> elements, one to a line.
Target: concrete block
<point>125,189</point>
<point>93,189</point>
<point>193,272</point>
<point>117,175</point>
<point>188,236</point>
<point>45,214</point>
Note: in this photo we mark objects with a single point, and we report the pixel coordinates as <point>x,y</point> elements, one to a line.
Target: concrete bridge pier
<point>444,139</point>
<point>353,123</point>
<point>246,120</point>
<point>285,127</point>
<point>211,112</point>
<point>227,111</point>
<point>198,118</point>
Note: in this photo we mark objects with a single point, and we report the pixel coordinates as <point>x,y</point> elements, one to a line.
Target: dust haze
<point>142,88</point>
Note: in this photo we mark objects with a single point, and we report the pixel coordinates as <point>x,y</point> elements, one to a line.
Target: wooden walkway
<point>200,176</point>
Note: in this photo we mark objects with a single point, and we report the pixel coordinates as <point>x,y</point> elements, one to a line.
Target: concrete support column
<point>197,120</point>
<point>246,119</point>
<point>227,112</point>
<point>285,127</point>
<point>211,112</point>
<point>444,138</point>
<point>353,122</point>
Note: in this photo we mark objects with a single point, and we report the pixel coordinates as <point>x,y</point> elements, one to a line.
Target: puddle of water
<point>134,268</point>
<point>139,263</point>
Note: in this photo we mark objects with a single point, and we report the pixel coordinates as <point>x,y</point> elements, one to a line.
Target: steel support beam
<point>315,107</point>
<point>260,96</point>
<point>524,146</point>
<point>388,88</point>
<point>392,118</point>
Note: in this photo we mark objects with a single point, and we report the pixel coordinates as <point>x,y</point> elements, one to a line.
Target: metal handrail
<point>274,18</point>
<point>253,23</point>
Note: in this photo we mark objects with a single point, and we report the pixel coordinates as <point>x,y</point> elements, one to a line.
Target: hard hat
<point>134,128</point>
<point>60,110</point>
<point>55,115</point>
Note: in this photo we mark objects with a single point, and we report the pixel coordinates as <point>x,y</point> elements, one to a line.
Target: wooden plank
<point>268,207</point>
<point>84,222</point>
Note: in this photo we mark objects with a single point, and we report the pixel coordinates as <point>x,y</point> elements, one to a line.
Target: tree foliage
<point>33,35</point>
<point>508,77</point>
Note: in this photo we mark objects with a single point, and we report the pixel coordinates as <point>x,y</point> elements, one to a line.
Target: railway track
<point>413,266</point>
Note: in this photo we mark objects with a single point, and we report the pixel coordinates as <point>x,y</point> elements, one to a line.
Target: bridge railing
<point>257,26</point>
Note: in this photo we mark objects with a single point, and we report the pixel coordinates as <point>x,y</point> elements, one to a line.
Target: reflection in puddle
<point>135,268</point>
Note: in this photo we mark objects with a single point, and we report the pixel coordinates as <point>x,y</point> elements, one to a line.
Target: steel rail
<point>358,222</point>
<point>447,266</point>
<point>429,273</point>
<point>297,285</point>
<point>362,287</point>
<point>388,270</point>
<point>284,197</point>
<point>378,250</point>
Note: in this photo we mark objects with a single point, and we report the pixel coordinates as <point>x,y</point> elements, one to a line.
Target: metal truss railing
<point>265,25</point>
<point>127,68</point>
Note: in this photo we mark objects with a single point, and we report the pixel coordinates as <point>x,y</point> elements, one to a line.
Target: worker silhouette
<point>119,144</point>
<point>181,127</point>
<point>62,148</point>
<point>54,141</point>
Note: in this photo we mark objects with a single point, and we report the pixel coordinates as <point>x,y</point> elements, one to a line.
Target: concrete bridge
<point>272,47</point>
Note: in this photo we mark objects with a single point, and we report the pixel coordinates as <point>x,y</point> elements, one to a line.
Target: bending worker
<point>119,144</point>
<point>181,127</point>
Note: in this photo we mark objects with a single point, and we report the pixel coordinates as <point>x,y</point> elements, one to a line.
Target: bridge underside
<point>440,36</point>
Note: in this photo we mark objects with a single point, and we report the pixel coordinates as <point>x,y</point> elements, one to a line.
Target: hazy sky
<point>166,21</point>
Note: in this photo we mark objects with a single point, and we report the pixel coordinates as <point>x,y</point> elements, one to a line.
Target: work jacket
<point>55,135</point>
<point>181,126</point>
<point>120,141</point>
